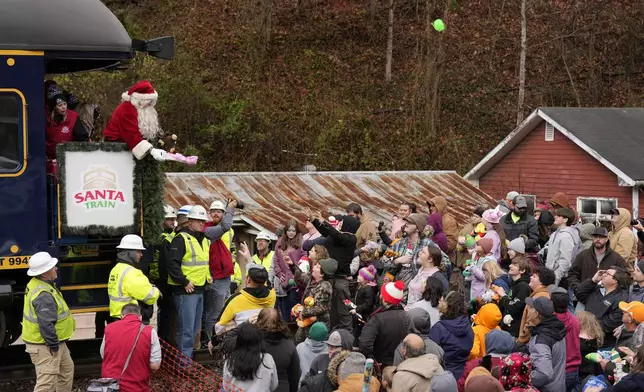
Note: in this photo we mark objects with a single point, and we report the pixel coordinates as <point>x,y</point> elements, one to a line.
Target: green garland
<point>148,187</point>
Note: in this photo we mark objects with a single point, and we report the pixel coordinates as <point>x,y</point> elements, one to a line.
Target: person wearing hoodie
<point>540,279</point>
<point>494,231</point>
<point>435,222</point>
<point>559,297</point>
<point>547,347</point>
<point>513,302</point>
<point>317,294</point>
<point>248,302</point>
<point>387,326</point>
<point>621,237</point>
<point>486,320</point>
<point>341,245</point>
<point>415,372</point>
<point>598,257</point>
<point>563,246</point>
<point>313,346</point>
<point>420,325</point>
<point>603,300</point>
<point>520,223</point>
<point>498,344</point>
<point>586,235</point>
<point>351,375</point>
<point>438,204</point>
<point>277,342</point>
<point>454,333</point>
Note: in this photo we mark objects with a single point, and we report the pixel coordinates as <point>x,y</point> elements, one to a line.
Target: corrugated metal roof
<point>271,199</point>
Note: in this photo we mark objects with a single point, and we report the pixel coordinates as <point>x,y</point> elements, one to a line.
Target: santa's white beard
<point>148,119</point>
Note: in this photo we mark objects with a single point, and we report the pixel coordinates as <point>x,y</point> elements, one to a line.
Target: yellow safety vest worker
<point>65,323</point>
<point>267,262</point>
<point>166,238</point>
<point>128,285</point>
<point>228,238</point>
<point>194,264</point>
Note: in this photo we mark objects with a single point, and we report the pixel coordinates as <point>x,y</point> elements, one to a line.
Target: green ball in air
<point>439,25</point>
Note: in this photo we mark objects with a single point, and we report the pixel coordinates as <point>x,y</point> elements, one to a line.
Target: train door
<point>23,193</point>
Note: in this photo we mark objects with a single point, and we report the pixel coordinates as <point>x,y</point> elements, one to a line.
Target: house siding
<point>542,168</point>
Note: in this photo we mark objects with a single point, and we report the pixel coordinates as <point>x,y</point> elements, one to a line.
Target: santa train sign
<point>97,188</point>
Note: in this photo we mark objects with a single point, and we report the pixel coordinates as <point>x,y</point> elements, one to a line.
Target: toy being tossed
<point>136,122</point>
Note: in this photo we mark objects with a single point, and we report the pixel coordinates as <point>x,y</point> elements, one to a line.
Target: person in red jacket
<point>120,337</point>
<point>62,125</point>
<point>559,297</point>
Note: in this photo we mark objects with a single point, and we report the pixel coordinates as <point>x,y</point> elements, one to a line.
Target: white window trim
<point>549,135</point>
<point>596,216</point>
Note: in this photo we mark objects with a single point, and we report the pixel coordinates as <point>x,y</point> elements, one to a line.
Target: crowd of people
<point>510,301</point>
<point>513,300</point>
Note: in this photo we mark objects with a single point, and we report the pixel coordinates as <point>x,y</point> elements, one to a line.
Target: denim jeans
<point>572,379</point>
<point>189,309</point>
<point>214,301</point>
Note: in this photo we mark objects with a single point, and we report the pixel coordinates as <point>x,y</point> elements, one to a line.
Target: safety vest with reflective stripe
<point>166,238</point>
<point>194,264</point>
<point>267,262</point>
<point>65,323</point>
<point>128,285</point>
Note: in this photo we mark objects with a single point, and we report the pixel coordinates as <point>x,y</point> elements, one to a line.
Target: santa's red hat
<point>393,292</point>
<point>140,90</point>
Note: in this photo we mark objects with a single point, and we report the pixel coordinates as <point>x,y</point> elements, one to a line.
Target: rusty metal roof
<point>272,198</point>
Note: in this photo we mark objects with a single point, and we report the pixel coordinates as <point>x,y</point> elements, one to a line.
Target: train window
<point>10,133</point>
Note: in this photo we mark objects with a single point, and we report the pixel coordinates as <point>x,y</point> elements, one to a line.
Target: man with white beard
<point>135,122</point>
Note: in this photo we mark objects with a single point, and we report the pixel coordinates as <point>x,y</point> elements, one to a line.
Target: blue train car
<point>39,38</point>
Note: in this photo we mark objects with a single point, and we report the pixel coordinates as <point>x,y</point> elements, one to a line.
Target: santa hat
<point>393,292</point>
<point>140,90</point>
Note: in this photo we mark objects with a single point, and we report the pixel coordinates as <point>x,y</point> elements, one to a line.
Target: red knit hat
<point>140,90</point>
<point>393,292</point>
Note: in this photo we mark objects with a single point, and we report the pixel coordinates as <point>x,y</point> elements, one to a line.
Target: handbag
<point>105,384</point>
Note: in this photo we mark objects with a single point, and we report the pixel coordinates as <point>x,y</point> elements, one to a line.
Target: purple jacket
<point>282,271</point>
<point>456,337</point>
<point>436,222</point>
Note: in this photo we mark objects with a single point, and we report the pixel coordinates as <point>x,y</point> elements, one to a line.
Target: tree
<point>390,42</point>
<point>524,34</point>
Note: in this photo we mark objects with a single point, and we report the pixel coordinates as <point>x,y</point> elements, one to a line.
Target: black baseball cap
<point>542,305</point>
<point>600,232</point>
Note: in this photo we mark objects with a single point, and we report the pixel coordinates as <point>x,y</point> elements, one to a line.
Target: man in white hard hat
<point>183,211</point>
<point>127,283</point>
<point>165,313</point>
<point>220,260</point>
<point>188,276</point>
<point>46,325</point>
<point>263,256</point>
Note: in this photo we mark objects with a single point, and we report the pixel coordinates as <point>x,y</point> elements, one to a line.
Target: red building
<point>595,155</point>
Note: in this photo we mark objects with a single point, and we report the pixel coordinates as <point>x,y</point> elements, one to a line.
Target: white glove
<point>160,155</point>
<point>507,320</point>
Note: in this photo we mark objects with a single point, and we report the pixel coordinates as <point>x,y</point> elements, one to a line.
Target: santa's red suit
<point>126,125</point>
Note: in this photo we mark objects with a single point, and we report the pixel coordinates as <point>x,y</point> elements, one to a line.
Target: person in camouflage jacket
<point>316,303</point>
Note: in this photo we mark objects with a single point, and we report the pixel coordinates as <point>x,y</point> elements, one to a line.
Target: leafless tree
<point>522,55</point>
<point>390,42</point>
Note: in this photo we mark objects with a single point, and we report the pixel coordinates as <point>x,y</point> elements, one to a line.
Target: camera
<point>240,204</point>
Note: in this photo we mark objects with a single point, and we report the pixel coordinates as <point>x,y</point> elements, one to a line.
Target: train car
<point>39,38</point>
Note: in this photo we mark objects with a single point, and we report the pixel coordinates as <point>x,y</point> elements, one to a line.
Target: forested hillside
<point>273,85</point>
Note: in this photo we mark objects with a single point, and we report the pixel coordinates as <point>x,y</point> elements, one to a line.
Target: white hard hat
<point>40,263</point>
<point>263,236</point>
<point>170,213</point>
<point>217,205</point>
<point>198,213</point>
<point>184,210</point>
<point>131,242</point>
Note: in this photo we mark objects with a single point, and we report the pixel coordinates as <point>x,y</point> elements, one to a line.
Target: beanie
<point>486,244</point>
<point>318,332</point>
<point>329,267</point>
<point>517,245</point>
<point>393,292</point>
<point>368,273</point>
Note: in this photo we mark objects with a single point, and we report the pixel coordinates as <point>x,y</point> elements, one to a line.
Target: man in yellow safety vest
<point>47,324</point>
<point>188,276</point>
<point>263,257</point>
<point>165,313</point>
<point>127,284</point>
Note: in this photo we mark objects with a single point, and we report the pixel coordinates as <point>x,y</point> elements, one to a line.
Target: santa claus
<point>135,122</point>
